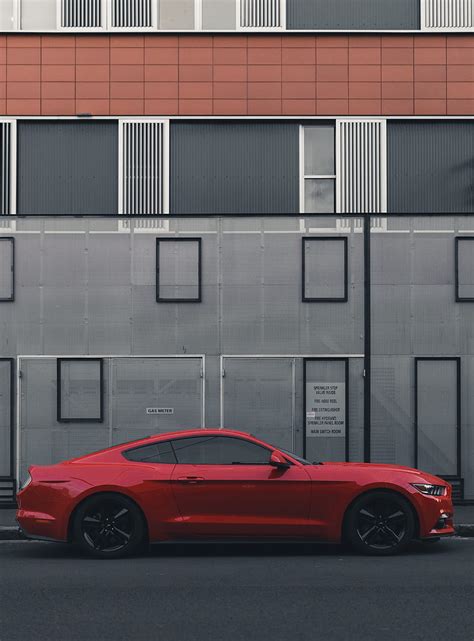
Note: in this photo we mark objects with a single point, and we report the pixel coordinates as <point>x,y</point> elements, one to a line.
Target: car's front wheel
<point>380,523</point>
<point>108,526</point>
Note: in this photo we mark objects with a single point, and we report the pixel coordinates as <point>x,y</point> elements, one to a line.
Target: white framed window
<point>317,169</point>
<point>7,173</point>
<point>361,166</point>
<point>143,172</point>
<point>447,15</point>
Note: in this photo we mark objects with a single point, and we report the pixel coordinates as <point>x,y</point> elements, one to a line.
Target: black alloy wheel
<point>109,526</point>
<point>380,523</point>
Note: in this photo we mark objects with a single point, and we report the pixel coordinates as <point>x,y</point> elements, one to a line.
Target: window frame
<point>160,299</point>
<point>453,359</point>
<point>213,436</point>
<point>458,297</point>
<point>12,168</point>
<point>59,417</point>
<point>11,298</point>
<point>325,299</point>
<point>304,177</point>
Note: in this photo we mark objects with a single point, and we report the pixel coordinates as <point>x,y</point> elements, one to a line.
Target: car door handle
<point>190,479</point>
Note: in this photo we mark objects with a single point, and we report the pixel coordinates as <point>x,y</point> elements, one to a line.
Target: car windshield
<point>300,459</point>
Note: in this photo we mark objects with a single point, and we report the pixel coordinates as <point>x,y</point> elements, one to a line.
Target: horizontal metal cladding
<point>353,14</point>
<point>430,166</point>
<point>67,167</point>
<point>234,168</point>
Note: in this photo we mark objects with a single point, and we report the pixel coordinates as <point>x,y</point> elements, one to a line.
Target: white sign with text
<point>326,409</point>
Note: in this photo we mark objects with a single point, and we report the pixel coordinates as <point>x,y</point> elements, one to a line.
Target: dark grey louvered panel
<point>81,14</point>
<point>5,168</point>
<point>260,14</point>
<point>142,168</point>
<point>131,14</point>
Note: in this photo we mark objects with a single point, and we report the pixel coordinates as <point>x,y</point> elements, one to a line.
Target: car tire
<point>109,526</point>
<point>380,523</point>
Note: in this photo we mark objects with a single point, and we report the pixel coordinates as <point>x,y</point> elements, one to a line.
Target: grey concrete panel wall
<point>414,313</point>
<point>225,167</point>
<point>430,167</point>
<point>67,167</point>
<point>353,14</point>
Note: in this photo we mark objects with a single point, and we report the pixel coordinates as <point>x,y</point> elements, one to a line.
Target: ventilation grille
<point>448,14</point>
<point>7,491</point>
<point>361,169</point>
<point>81,14</point>
<point>142,168</point>
<point>260,14</point>
<point>5,168</point>
<point>131,14</point>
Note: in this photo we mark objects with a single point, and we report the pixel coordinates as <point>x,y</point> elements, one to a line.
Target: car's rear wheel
<point>380,523</point>
<point>108,526</point>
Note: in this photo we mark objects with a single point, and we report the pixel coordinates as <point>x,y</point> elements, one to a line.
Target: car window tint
<point>153,453</point>
<point>219,450</point>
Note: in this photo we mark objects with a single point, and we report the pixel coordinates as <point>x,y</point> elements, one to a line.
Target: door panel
<point>153,395</point>
<point>259,398</point>
<point>5,416</point>
<point>241,500</point>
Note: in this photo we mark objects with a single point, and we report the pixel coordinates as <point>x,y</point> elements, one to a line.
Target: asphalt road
<point>233,592</point>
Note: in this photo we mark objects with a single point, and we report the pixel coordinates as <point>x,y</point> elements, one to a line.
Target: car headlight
<point>431,490</point>
<point>25,483</point>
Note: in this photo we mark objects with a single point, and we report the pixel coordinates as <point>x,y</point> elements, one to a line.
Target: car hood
<point>379,471</point>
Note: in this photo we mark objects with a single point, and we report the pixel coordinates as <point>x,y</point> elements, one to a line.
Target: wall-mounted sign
<point>160,410</point>
<point>325,409</point>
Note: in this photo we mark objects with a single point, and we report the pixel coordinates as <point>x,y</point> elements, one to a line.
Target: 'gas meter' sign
<point>325,409</point>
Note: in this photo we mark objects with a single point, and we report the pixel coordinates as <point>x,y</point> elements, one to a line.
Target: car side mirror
<point>278,460</point>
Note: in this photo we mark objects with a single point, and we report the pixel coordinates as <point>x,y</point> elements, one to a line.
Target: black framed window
<point>219,450</point>
<point>325,269</point>
<point>438,415</point>
<point>178,270</point>
<point>464,269</point>
<point>7,269</point>
<point>80,390</point>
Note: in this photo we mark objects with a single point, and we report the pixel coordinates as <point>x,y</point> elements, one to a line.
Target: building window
<point>318,169</point>
<point>361,151</point>
<point>143,167</point>
<point>464,269</point>
<point>80,390</point>
<point>438,416</point>
<point>325,270</point>
<point>7,269</point>
<point>447,15</point>
<point>178,270</point>
<point>7,167</point>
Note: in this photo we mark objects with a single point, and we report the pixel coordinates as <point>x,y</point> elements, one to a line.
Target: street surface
<point>233,592</point>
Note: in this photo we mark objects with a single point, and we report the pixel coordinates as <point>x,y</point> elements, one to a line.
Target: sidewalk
<point>463,519</point>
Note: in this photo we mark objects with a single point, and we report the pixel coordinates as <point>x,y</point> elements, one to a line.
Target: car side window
<point>219,450</point>
<point>161,452</point>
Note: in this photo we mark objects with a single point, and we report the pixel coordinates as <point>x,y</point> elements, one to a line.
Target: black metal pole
<point>367,339</point>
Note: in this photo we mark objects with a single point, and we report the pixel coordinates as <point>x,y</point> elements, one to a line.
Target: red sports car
<point>211,483</point>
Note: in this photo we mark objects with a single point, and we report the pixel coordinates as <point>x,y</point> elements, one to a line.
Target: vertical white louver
<point>7,173</point>
<point>143,167</point>
<point>361,182</point>
<point>453,15</point>
<point>261,14</point>
<point>132,14</point>
<point>81,14</point>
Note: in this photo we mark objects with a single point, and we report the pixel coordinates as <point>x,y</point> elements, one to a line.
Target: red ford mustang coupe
<point>228,485</point>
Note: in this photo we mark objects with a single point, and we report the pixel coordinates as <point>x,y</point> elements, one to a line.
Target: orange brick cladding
<point>241,75</point>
